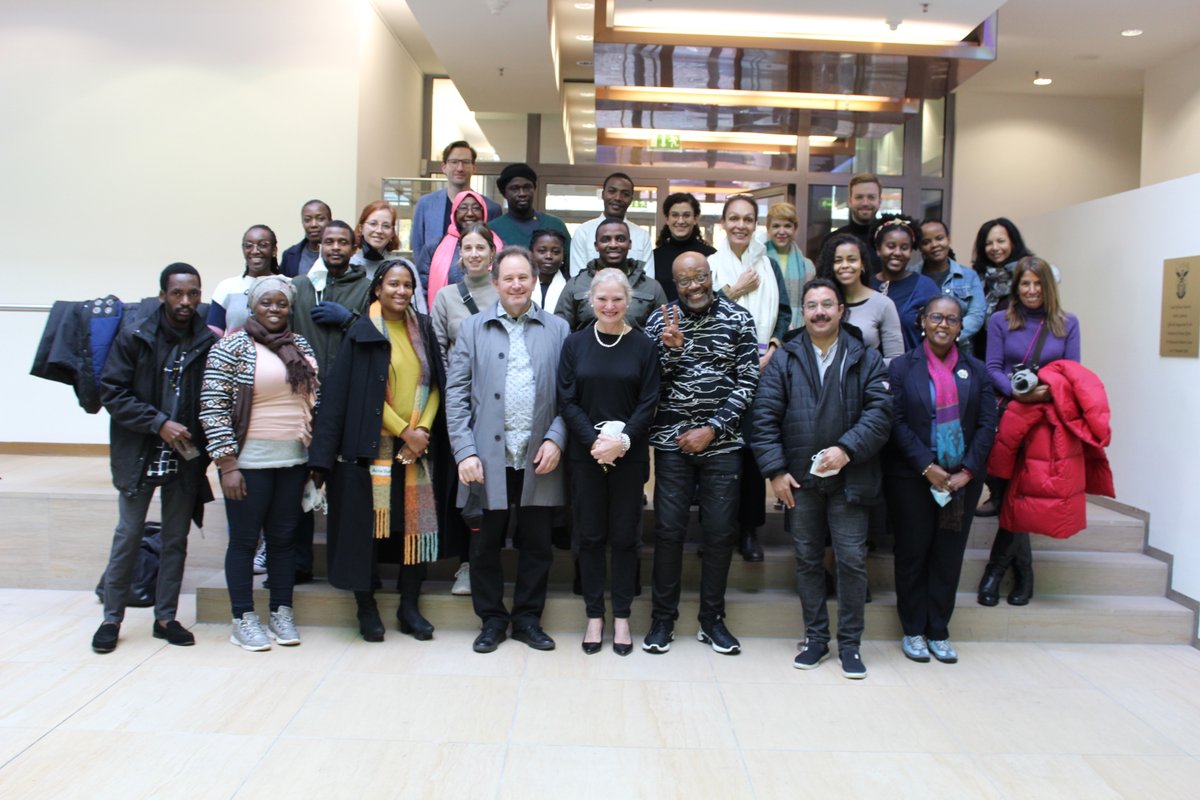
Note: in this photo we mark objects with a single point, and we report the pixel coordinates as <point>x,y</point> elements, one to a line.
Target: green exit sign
<point>667,141</point>
<point>827,203</point>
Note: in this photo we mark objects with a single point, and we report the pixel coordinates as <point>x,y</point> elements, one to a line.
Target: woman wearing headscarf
<point>437,264</point>
<point>256,407</point>
<point>381,438</point>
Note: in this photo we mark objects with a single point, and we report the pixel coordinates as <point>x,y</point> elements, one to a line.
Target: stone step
<point>1056,572</point>
<point>775,613</point>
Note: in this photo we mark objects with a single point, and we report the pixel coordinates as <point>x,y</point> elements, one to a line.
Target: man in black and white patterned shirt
<point>708,352</point>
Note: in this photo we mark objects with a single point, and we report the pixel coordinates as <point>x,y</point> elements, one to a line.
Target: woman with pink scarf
<point>437,263</point>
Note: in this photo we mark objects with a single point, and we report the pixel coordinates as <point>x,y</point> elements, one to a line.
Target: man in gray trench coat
<point>507,437</point>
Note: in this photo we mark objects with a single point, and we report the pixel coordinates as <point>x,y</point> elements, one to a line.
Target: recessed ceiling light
<point>588,125</point>
<point>1129,33</point>
<point>1038,80</point>
<point>587,94</point>
<point>584,37</point>
<point>585,6</point>
<point>587,62</point>
<point>589,149</point>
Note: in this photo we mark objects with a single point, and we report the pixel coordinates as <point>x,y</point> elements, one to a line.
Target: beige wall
<point>390,87</point>
<point>135,134</point>
<point>1171,122</point>
<point>1018,155</point>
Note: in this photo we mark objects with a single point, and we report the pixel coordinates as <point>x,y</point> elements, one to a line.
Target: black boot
<point>410,619</point>
<point>369,623</point>
<point>750,549</point>
<point>1022,591</point>
<point>989,587</point>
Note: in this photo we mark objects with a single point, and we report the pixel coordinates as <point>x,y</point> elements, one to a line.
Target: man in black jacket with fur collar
<point>151,388</point>
<point>821,416</point>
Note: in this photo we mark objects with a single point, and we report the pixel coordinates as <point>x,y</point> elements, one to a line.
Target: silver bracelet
<point>625,443</point>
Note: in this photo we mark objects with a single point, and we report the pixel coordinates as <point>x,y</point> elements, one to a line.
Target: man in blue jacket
<point>821,416</point>
<point>151,388</point>
<point>431,216</point>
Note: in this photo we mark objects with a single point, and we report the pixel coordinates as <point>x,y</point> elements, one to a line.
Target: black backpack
<point>143,586</point>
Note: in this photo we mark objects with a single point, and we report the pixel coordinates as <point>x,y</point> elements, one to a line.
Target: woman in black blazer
<point>945,421</point>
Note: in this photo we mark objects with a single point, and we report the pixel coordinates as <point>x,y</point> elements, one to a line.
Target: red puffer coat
<point>1053,453</point>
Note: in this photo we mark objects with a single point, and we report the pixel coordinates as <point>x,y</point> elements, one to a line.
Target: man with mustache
<point>708,352</point>
<point>821,416</point>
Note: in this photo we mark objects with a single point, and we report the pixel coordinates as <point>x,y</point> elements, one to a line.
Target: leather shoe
<point>989,587</point>
<point>489,639</point>
<point>105,640</point>
<point>623,649</point>
<point>750,549</point>
<point>370,625</point>
<point>591,648</point>
<point>174,633</point>
<point>533,636</point>
<point>411,622</point>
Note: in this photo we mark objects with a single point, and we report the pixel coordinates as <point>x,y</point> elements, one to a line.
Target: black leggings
<point>272,506</point>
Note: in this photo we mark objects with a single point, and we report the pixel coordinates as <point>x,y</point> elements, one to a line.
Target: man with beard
<point>821,416</point>
<point>865,198</point>
<point>708,352</point>
<point>617,194</point>
<point>299,258</point>
<point>612,243</point>
<point>431,215</point>
<point>151,388</point>
<point>331,296</point>
<point>518,184</point>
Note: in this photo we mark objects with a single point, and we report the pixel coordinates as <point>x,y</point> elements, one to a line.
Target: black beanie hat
<point>514,171</point>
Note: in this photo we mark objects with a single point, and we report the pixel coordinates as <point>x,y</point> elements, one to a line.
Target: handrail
<point>23,307</point>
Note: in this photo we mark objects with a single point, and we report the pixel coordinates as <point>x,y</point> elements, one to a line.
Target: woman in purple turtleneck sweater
<point>1012,335</point>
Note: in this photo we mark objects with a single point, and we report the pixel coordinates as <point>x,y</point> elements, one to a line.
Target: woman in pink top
<point>256,407</point>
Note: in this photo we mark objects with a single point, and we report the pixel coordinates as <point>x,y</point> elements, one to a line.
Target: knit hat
<point>515,171</point>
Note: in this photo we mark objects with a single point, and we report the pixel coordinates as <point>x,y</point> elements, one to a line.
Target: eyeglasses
<point>825,305</point>
<point>949,319</point>
<point>699,280</point>
<point>374,225</point>
<point>459,162</point>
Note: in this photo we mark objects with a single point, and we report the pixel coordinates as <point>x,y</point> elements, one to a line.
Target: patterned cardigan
<point>228,389</point>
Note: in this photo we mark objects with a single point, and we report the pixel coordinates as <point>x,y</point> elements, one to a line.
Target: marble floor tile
<point>14,740</point>
<point>1000,664</point>
<point>87,765</point>
<point>43,695</point>
<point>1037,720</point>
<point>1180,652</point>
<point>770,661</point>
<point>319,649</point>
<point>448,653</point>
<point>1157,777</point>
<point>194,699</point>
<point>1173,713</point>
<point>602,773</point>
<point>322,768</point>
<point>1037,776</point>
<point>423,708</point>
<point>67,638</point>
<point>853,716</point>
<point>687,661</point>
<point>1126,665</point>
<point>887,776</point>
<point>622,713</point>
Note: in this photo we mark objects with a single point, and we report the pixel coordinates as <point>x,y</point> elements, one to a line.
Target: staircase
<point>1097,586</point>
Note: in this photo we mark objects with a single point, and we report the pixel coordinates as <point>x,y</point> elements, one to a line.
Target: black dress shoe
<point>750,549</point>
<point>174,633</point>
<point>412,623</point>
<point>105,640</point>
<point>489,639</point>
<point>623,649</point>
<point>370,625</point>
<point>533,636</point>
<point>1022,591</point>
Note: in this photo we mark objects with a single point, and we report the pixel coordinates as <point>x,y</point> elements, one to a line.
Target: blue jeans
<point>675,477</point>
<point>816,517</point>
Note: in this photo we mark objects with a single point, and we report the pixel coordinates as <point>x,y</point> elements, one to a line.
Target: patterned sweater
<point>228,373</point>
<point>710,380</point>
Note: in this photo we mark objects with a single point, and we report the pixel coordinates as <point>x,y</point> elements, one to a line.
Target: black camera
<point>1023,379</point>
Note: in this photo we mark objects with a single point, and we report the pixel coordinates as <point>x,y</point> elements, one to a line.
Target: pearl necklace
<point>599,341</point>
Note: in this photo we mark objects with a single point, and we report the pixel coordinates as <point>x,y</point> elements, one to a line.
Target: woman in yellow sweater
<point>382,436</point>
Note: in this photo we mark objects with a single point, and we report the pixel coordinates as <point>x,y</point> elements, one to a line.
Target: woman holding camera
<point>1031,332</point>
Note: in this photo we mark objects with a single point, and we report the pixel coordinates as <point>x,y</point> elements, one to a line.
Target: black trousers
<point>752,492</point>
<point>271,505</point>
<point>675,477</point>
<point>928,559</point>
<point>533,562</point>
<point>608,515</point>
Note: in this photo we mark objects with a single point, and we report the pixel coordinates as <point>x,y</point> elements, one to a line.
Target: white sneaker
<point>282,627</point>
<point>248,633</point>
<point>462,581</point>
<point>260,558</point>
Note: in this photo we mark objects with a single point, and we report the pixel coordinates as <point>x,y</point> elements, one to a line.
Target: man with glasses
<point>431,216</point>
<point>708,351</point>
<point>821,416</point>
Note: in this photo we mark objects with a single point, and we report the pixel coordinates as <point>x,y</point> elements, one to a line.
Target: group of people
<point>508,372</point>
